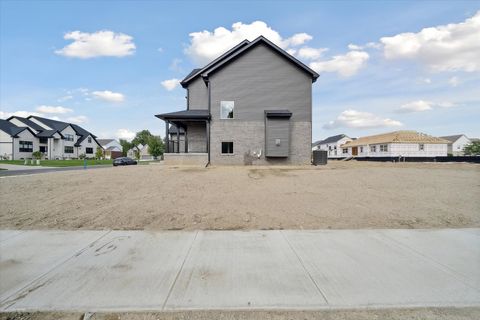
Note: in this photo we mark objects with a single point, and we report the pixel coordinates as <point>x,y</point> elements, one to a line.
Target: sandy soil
<point>386,314</point>
<point>341,195</point>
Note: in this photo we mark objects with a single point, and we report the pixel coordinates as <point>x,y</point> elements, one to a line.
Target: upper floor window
<point>226,109</point>
<point>43,140</point>
<point>68,137</point>
<point>89,139</point>
<point>384,148</point>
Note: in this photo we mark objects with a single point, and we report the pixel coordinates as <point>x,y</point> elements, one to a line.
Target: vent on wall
<point>277,133</point>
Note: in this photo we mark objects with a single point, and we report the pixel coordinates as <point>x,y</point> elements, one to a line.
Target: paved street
<point>174,270</point>
<point>18,170</point>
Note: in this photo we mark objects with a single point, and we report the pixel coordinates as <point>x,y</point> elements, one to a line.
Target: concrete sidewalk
<point>174,270</point>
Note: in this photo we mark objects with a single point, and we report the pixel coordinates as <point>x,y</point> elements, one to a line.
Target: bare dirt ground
<point>341,195</point>
<point>386,314</point>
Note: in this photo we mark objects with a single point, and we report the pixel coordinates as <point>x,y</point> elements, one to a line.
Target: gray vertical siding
<point>197,95</point>
<point>277,129</point>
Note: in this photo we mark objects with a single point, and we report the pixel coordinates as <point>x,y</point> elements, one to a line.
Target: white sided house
<point>396,144</point>
<point>54,139</point>
<point>143,150</point>
<point>457,144</point>
<point>112,148</point>
<point>333,145</point>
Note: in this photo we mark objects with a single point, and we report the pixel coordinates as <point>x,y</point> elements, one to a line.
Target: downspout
<point>13,148</point>
<point>207,81</point>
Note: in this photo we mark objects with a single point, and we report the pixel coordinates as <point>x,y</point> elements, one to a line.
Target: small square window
<point>226,109</point>
<point>421,147</point>
<point>227,147</point>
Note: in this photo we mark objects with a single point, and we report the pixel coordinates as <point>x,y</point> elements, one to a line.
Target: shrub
<point>37,155</point>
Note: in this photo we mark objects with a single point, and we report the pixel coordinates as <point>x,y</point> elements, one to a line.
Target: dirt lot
<point>390,314</point>
<point>341,195</point>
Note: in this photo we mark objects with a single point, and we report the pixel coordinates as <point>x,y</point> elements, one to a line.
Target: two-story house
<point>55,139</point>
<point>333,146</point>
<point>251,105</point>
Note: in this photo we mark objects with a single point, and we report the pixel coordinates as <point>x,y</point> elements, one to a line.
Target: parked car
<point>123,161</point>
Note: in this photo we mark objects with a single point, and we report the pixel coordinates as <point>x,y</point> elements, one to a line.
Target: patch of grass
<point>61,163</point>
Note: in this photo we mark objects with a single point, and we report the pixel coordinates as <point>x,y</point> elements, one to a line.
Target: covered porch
<point>186,137</point>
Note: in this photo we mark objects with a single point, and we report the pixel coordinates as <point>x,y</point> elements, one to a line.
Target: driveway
<point>235,270</point>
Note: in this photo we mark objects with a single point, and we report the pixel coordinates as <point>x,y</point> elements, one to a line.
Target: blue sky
<point>104,64</point>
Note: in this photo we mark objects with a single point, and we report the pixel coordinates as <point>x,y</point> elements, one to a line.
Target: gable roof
<point>333,139</point>
<point>237,51</point>
<point>404,136</point>
<point>453,138</point>
<point>12,129</point>
<point>28,122</point>
<point>104,141</point>
<point>48,133</point>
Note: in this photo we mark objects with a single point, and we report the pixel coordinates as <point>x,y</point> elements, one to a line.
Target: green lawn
<point>60,163</point>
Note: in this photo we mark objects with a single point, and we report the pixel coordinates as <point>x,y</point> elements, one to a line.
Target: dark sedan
<point>123,161</point>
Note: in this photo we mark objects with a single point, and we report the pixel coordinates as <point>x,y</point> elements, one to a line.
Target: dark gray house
<point>252,105</point>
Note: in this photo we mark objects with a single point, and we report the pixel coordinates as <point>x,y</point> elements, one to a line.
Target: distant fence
<point>471,159</point>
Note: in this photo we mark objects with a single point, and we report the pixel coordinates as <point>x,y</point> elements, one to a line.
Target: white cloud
<point>416,106</point>
<point>65,98</point>
<point>423,105</point>
<point>310,53</point>
<point>23,114</point>
<point>345,65</point>
<point>175,65</point>
<point>352,46</point>
<point>125,134</point>
<point>53,109</point>
<point>450,47</point>
<point>454,81</point>
<point>109,96</point>
<point>103,43</point>
<point>205,45</point>
<point>360,120</point>
<point>77,119</point>
<point>170,84</point>
<point>426,80</point>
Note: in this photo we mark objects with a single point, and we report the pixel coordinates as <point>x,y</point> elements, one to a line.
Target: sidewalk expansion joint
<point>304,268</point>
<point>179,271</point>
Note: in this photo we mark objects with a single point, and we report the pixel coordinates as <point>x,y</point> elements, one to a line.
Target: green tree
<point>473,149</point>
<point>125,146</point>
<point>99,153</point>
<point>142,137</point>
<point>156,146</point>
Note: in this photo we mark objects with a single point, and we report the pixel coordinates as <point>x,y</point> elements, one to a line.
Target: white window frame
<point>384,148</point>
<point>221,109</point>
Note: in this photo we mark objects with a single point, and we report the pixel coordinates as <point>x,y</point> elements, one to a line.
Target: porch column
<point>167,141</point>
<point>178,139</point>
<point>186,139</point>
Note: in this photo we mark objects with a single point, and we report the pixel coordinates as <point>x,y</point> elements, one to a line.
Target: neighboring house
<point>55,139</point>
<point>16,142</point>
<point>144,152</point>
<point>332,145</point>
<point>457,143</point>
<point>252,105</point>
<point>396,144</point>
<point>112,148</point>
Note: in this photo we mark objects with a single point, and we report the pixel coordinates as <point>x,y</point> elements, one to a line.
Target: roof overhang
<point>278,114</point>
<point>186,115</point>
